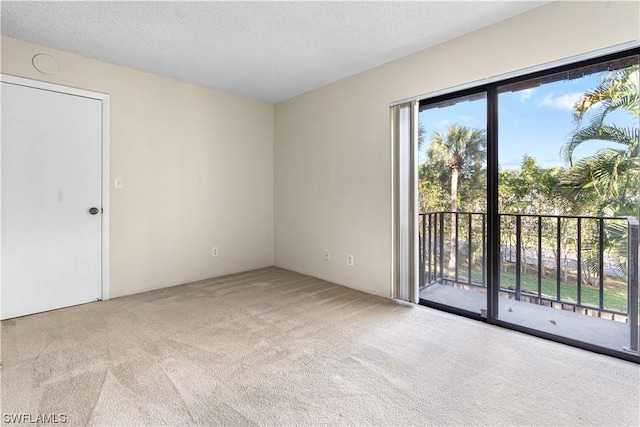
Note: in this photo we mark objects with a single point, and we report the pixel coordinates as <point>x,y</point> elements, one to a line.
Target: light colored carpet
<point>272,347</point>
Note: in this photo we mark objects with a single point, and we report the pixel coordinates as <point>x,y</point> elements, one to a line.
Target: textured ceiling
<point>270,51</point>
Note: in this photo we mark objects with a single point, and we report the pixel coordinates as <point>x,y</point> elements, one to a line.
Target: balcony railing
<point>582,252</point>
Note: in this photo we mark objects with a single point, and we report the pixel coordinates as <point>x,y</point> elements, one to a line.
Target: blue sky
<point>535,121</point>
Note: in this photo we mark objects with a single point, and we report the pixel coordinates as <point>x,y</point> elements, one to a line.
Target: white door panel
<point>51,177</point>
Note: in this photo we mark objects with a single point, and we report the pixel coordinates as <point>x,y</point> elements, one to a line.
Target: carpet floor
<point>273,347</point>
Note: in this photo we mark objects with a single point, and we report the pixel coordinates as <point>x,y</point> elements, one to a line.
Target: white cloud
<point>562,102</point>
<point>526,94</point>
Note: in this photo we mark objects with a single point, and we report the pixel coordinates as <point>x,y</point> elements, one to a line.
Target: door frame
<point>105,150</point>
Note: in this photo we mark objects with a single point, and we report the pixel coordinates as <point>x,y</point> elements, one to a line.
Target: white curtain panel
<point>404,134</point>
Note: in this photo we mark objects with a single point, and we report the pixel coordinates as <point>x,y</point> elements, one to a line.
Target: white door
<point>51,178</point>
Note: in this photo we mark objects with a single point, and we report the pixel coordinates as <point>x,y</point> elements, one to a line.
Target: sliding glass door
<point>452,182</point>
<point>529,198</point>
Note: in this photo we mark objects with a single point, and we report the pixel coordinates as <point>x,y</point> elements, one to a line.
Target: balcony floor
<point>589,329</point>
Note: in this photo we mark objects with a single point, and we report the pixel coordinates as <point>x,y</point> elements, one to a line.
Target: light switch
<point>118,183</point>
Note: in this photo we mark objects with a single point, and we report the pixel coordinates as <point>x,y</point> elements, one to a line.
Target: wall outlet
<point>214,251</point>
<point>350,260</point>
<point>327,255</point>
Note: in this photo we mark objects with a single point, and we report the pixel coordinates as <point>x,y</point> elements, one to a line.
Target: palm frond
<point>460,145</point>
<point>616,90</point>
<point>626,136</point>
<point>606,172</point>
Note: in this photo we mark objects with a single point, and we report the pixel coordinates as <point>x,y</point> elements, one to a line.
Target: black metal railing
<point>453,251</point>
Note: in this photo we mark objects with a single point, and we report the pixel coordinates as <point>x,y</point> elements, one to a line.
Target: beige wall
<point>197,166</point>
<point>201,166</point>
<point>332,145</point>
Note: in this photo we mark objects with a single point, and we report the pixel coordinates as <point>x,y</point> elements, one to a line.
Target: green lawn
<point>614,298</point>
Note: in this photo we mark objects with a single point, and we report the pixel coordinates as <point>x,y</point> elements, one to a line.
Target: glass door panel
<point>452,178</point>
<point>567,187</point>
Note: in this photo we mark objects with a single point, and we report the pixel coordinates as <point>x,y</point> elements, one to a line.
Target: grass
<point>615,296</point>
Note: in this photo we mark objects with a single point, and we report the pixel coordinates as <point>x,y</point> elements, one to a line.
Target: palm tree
<point>461,149</point>
<point>613,173</point>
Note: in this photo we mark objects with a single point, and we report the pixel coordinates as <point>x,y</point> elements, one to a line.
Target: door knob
<point>93,211</point>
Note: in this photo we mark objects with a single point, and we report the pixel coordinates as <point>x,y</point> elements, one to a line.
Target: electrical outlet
<point>214,251</point>
<point>327,255</point>
<point>350,260</point>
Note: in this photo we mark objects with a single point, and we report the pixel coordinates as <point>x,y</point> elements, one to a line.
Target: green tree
<point>430,193</point>
<point>461,150</point>
<point>532,189</point>
<point>610,176</point>
<point>613,174</point>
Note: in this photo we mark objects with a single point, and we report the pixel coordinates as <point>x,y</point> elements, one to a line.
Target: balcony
<point>569,276</point>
